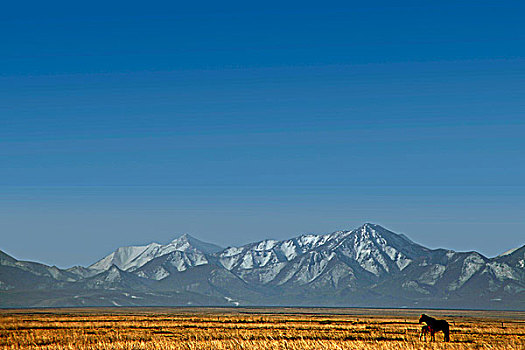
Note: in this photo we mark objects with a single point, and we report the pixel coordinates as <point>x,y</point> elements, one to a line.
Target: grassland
<point>254,329</point>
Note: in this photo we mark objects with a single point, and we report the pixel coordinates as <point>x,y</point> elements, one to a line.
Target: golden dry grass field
<point>254,329</point>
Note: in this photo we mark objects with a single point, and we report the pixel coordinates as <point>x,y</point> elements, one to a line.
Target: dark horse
<point>436,326</point>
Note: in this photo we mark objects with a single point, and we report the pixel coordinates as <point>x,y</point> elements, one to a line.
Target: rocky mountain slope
<point>367,266</point>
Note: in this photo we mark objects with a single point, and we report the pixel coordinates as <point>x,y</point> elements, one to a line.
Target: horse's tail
<point>446,331</point>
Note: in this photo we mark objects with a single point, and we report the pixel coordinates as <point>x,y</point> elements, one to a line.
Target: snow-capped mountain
<point>364,253</point>
<point>366,266</point>
<point>131,258</point>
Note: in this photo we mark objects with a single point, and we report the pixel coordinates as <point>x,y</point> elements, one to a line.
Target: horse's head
<point>422,318</point>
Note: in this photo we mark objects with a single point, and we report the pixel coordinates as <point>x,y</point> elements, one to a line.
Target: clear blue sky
<point>123,124</point>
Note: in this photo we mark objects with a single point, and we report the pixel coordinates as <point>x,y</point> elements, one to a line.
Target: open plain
<point>253,329</point>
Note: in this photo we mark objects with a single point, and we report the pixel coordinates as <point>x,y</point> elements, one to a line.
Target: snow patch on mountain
<point>432,275</point>
<point>289,249</point>
<point>333,277</point>
<point>261,275</point>
<point>472,264</point>
<point>113,275</point>
<point>158,274</point>
<point>414,287</point>
<point>233,301</point>
<point>183,260</point>
<point>265,245</point>
<point>309,267</point>
<point>267,275</point>
<point>502,271</point>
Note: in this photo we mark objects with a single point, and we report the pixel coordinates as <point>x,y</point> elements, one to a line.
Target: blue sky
<point>123,124</point>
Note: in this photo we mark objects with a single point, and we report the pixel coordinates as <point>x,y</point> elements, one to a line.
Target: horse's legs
<point>423,334</point>
<point>446,333</point>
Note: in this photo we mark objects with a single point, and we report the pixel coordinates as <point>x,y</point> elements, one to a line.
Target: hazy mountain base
<point>369,266</point>
<point>69,298</point>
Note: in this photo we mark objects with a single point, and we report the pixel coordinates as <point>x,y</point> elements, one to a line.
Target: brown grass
<point>254,329</point>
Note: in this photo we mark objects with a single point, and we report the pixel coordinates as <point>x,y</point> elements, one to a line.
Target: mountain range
<point>367,266</point>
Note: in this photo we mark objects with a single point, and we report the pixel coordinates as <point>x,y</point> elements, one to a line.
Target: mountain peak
<point>369,229</point>
<point>187,241</point>
<point>185,237</point>
<point>379,230</point>
<point>377,248</point>
<point>371,226</point>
